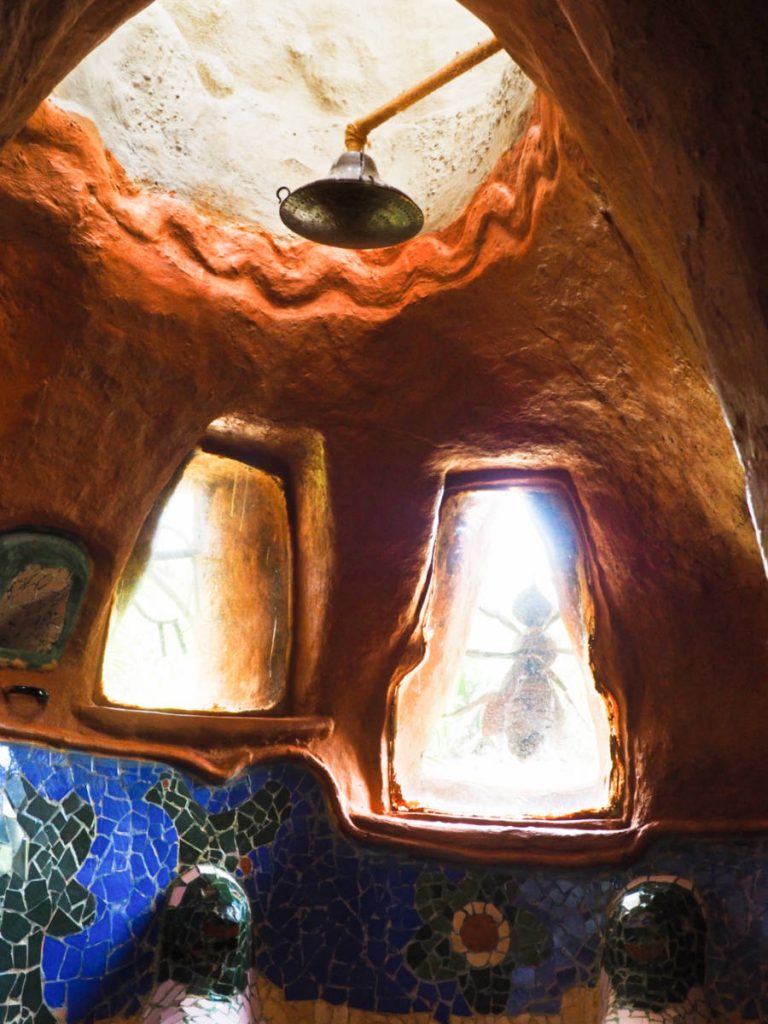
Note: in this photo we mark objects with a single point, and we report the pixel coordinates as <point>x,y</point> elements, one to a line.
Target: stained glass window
<point>201,618</point>
<point>502,718</point>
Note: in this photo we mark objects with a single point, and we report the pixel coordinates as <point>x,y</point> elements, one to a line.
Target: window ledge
<point>204,730</point>
<point>570,841</point>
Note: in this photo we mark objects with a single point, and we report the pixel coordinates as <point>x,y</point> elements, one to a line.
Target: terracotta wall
<point>524,336</point>
<point>574,319</point>
<point>595,312</point>
<point>665,100</point>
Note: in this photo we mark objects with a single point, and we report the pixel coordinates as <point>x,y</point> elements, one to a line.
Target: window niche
<point>502,719</point>
<point>201,620</point>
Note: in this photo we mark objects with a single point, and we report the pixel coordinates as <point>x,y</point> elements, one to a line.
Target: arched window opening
<point>503,719</point>
<point>201,619</point>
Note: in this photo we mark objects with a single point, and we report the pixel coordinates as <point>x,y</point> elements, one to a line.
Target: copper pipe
<point>357,132</point>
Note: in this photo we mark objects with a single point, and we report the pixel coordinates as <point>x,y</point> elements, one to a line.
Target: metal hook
<point>283,188</point>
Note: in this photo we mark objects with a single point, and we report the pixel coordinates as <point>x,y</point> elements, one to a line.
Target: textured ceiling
<point>225,103</point>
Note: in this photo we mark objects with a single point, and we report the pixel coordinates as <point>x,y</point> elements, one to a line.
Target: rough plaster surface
<point>667,101</point>
<point>42,41</point>
<point>224,102</point>
<point>574,318</point>
<point>522,336</point>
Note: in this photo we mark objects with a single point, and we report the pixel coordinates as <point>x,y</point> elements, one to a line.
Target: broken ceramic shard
<point>654,954</point>
<point>205,952</point>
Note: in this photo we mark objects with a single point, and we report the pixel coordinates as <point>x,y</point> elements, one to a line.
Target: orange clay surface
<point>572,319</point>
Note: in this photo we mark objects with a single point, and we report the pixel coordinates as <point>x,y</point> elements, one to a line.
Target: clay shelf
<point>577,841</point>
<point>204,729</point>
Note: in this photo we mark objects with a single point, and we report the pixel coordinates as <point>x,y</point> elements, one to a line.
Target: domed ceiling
<point>224,102</point>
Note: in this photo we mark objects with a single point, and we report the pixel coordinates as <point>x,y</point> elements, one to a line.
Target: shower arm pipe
<point>356,134</point>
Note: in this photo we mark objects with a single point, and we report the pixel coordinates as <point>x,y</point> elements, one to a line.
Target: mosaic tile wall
<point>88,846</point>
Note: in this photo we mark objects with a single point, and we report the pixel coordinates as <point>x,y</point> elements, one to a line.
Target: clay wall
<point>597,311</point>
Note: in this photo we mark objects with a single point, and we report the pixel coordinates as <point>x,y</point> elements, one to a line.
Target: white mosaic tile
<point>172,1003</point>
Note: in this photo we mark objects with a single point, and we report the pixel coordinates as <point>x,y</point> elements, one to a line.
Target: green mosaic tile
<point>226,837</point>
<point>206,933</point>
<point>40,893</point>
<point>474,933</point>
<point>654,945</point>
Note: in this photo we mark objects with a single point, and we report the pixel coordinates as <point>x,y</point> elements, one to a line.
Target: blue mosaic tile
<point>103,838</point>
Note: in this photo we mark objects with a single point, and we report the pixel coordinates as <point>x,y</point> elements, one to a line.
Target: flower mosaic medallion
<point>481,932</point>
<point>473,932</point>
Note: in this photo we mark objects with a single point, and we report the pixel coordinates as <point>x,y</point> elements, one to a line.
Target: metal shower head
<point>352,208</point>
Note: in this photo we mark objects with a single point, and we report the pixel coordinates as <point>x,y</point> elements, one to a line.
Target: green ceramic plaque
<point>43,577</point>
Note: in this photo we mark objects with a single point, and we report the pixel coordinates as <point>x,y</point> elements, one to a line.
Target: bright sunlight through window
<point>201,618</point>
<point>502,719</point>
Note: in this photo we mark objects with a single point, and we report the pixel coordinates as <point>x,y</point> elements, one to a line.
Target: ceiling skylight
<point>223,101</point>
